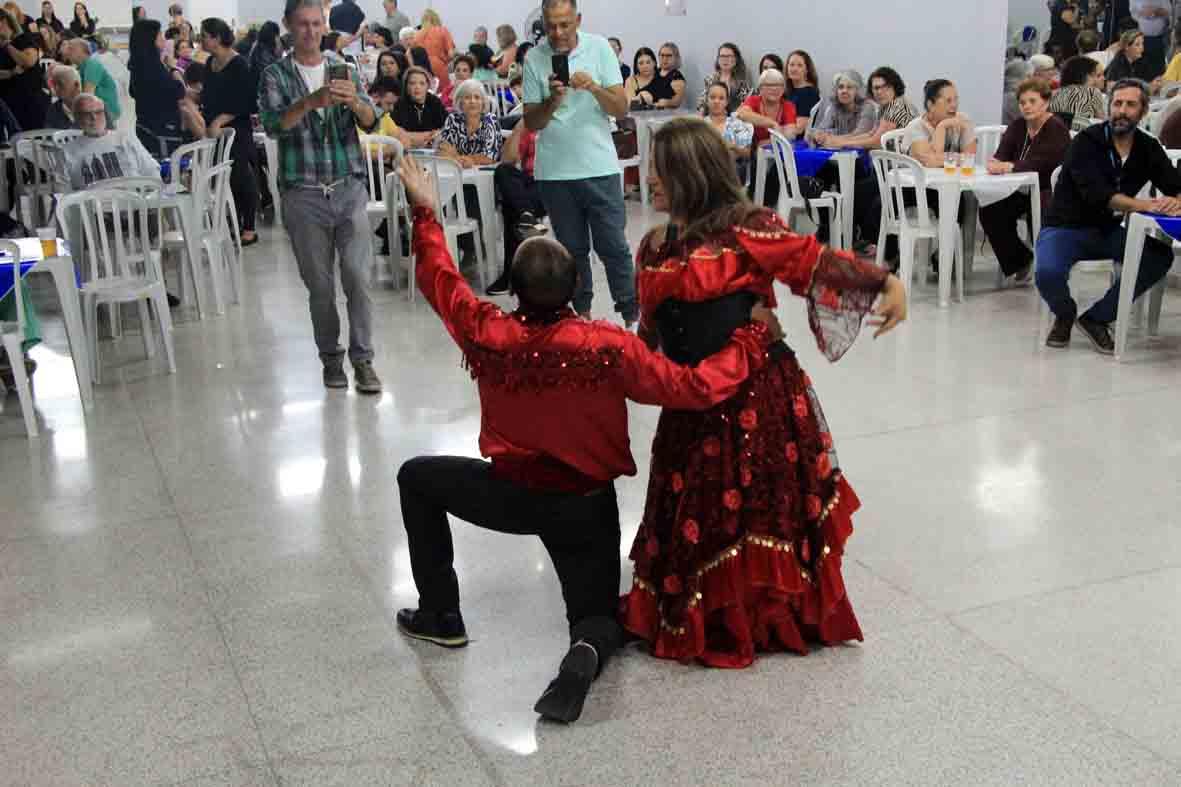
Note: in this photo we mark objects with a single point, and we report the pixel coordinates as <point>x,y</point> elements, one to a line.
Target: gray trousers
<point>322,226</point>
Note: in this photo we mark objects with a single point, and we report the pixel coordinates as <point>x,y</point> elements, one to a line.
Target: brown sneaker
<point>365,379</point>
<point>1059,335</point>
<point>1099,334</point>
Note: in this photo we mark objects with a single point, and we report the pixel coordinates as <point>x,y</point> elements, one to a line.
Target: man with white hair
<point>66,85</point>
<point>406,36</point>
<point>96,80</point>
<point>101,153</point>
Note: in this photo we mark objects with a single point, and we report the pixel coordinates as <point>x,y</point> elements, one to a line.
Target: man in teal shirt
<point>95,77</point>
<point>577,170</point>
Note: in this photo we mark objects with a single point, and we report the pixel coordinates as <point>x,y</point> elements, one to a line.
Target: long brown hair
<point>699,178</point>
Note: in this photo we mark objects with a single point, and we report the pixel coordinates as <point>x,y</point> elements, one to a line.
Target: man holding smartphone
<point>572,88</point>
<point>312,102</point>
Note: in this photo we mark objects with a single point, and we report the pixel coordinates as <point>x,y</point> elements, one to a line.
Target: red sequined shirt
<point>553,393</point>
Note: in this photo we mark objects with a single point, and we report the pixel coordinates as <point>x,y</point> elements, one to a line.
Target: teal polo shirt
<point>577,142</point>
<point>105,88</point>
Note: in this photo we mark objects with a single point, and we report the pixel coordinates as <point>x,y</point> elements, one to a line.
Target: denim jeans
<point>593,208</point>
<point>1059,248</point>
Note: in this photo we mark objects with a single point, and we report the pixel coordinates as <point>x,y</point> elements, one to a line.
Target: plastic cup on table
<point>967,165</point>
<point>48,238</point>
<point>951,163</point>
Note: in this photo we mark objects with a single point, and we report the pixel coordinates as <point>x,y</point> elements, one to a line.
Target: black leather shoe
<point>1099,334</point>
<point>500,286</point>
<point>441,628</point>
<point>1059,335</point>
<point>334,376</point>
<point>564,697</point>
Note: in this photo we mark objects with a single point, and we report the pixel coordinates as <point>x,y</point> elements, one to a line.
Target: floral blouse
<point>738,93</point>
<point>485,142</point>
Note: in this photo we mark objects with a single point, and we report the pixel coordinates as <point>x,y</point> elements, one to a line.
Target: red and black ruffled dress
<point>747,510</point>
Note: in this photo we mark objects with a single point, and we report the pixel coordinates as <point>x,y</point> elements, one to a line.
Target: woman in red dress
<point>747,511</point>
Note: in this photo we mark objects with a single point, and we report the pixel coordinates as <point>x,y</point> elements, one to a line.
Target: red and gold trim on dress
<point>734,551</point>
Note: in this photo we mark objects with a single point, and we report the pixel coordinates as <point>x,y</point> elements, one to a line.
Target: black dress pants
<point>518,193</point>
<point>580,532</point>
<point>1000,225</point>
<point>243,182</point>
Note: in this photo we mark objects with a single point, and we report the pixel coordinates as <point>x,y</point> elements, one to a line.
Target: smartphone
<point>338,71</point>
<point>561,66</point>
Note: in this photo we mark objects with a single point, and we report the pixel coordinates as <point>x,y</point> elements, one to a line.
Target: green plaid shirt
<point>319,150</point>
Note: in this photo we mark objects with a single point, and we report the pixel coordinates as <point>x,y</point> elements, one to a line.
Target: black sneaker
<point>1099,334</point>
<point>441,628</point>
<point>1059,335</point>
<point>564,697</point>
<point>334,376</point>
<point>365,379</point>
<point>500,286</point>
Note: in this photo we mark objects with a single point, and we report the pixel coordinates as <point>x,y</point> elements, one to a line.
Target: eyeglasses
<point>93,113</point>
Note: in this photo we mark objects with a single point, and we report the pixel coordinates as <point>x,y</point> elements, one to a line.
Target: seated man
<point>520,198</point>
<point>96,80</point>
<point>1085,218</point>
<point>66,85</point>
<point>102,153</point>
<point>550,475</point>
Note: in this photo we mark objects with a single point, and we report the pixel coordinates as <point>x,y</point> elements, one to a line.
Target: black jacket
<point>1092,174</point>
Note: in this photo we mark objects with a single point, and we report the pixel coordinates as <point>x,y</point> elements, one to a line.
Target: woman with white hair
<point>768,110</point>
<point>471,134</point>
<point>845,113</point>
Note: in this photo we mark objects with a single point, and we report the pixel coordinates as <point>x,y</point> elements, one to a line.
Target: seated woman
<point>941,129</point>
<point>729,70</point>
<point>1130,61</point>
<point>471,137</point>
<point>462,69</point>
<point>802,90</point>
<point>419,57</point>
<point>483,71</point>
<point>736,133</point>
<point>419,112</point>
<point>520,198</point>
<point>642,86</point>
<point>1035,142</point>
<point>846,114</point>
<point>670,76</point>
<point>1080,99</point>
<point>768,110</point>
<point>391,65</point>
<point>771,60</point>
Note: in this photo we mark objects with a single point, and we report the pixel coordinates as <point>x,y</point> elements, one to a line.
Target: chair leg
<point>90,315</point>
<point>213,254</point>
<point>160,300</point>
<point>236,239</point>
<point>906,252</point>
<point>145,327</point>
<point>882,234</point>
<point>115,312</point>
<point>12,344</point>
<point>959,268</point>
<point>1156,299</point>
<point>483,274</point>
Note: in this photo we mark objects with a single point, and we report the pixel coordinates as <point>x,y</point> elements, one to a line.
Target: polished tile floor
<point>198,579</point>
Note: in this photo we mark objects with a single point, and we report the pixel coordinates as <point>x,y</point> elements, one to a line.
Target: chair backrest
<point>447,178</point>
<point>988,139</point>
<point>785,162</point>
<point>895,174</point>
<point>65,136</point>
<point>211,190</point>
<point>225,143</point>
<point>892,140</point>
<point>377,146</point>
<point>1054,177</point>
<point>1155,121</point>
<point>114,230</point>
<point>199,154</point>
<point>12,253</point>
<point>1174,156</point>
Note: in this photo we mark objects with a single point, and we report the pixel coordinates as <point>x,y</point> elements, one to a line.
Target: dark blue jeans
<point>593,208</point>
<point>1059,248</point>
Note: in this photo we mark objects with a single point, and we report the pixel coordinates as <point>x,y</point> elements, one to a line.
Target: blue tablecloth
<point>6,274</point>
<point>1169,225</point>
<point>810,160</point>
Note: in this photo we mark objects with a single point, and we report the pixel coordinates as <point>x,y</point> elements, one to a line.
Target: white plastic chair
<point>212,189</point>
<point>201,156</point>
<point>447,178</point>
<point>911,225</point>
<point>645,128</point>
<point>988,139</point>
<point>12,335</point>
<point>34,152</point>
<point>120,265</point>
<point>892,140</point>
<point>65,136</point>
<point>377,147</point>
<point>222,154</point>
<point>398,207</point>
<point>790,197</point>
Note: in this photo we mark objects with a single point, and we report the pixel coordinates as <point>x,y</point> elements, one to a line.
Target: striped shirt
<point>1081,101</point>
<point>899,112</point>
<point>318,150</point>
